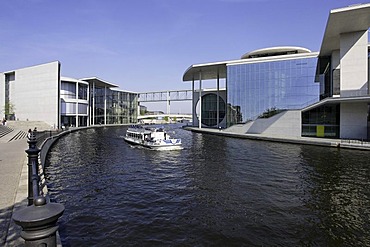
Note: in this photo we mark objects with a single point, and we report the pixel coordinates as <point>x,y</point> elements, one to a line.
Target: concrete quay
<point>14,177</point>
<point>337,143</point>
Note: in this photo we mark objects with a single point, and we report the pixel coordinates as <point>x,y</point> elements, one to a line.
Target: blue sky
<point>146,45</point>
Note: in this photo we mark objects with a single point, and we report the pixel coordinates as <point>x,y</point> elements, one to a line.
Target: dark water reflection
<point>216,192</point>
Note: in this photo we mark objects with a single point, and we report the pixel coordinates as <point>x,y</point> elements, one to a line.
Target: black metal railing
<point>356,141</point>
<point>39,219</point>
<point>41,136</point>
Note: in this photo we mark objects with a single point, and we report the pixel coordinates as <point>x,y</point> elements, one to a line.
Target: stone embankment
<point>14,176</point>
<point>338,143</point>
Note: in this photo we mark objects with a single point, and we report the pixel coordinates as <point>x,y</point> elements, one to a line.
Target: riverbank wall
<point>335,143</point>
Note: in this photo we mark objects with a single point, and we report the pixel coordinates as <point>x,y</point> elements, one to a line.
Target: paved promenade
<point>13,178</point>
<point>12,160</point>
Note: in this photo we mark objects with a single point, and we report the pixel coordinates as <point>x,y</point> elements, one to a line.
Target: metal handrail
<point>39,219</point>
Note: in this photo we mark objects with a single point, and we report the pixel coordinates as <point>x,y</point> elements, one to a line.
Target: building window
<point>254,88</point>
<point>82,108</point>
<point>82,91</point>
<point>322,121</point>
<point>8,107</point>
<point>68,90</point>
<point>68,108</point>
<point>121,107</point>
<point>209,110</point>
<point>336,82</point>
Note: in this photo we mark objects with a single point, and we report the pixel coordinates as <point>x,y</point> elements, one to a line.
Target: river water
<point>217,191</point>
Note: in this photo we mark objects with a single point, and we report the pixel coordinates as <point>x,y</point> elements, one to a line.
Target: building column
<point>93,105</point>
<point>218,99</point>
<point>200,100</point>
<point>89,104</point>
<point>168,103</point>
<point>76,115</point>
<point>193,105</point>
<point>353,120</point>
<point>105,105</point>
<point>353,64</point>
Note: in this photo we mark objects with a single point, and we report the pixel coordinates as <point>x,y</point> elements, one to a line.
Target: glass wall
<point>121,106</point>
<point>74,104</point>
<point>255,88</point>
<point>99,105</point>
<point>82,91</point>
<point>209,109</point>
<point>68,90</point>
<point>9,108</point>
<point>323,121</point>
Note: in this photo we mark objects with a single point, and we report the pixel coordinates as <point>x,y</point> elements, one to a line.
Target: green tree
<point>9,109</point>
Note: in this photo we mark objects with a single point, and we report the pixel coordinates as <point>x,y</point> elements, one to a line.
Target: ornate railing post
<point>39,219</point>
<point>38,222</point>
<point>33,158</point>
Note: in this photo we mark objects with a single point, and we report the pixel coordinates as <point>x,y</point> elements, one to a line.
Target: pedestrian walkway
<point>12,160</point>
<point>14,177</point>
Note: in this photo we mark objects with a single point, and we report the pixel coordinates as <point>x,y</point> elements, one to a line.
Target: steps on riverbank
<point>26,125</point>
<point>5,130</point>
<point>17,130</point>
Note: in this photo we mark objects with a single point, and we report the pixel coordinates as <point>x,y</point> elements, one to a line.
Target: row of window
<point>70,108</point>
<point>68,90</point>
<point>255,88</point>
<point>121,107</point>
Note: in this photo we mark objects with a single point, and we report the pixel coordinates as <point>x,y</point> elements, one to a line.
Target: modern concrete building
<point>40,93</point>
<point>74,96</point>
<point>291,91</point>
<point>33,93</point>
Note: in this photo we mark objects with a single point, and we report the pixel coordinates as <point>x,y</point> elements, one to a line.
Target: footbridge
<point>171,116</point>
<point>166,96</point>
<point>164,118</point>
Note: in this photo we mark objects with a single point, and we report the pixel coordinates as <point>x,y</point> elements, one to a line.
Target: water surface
<point>218,191</point>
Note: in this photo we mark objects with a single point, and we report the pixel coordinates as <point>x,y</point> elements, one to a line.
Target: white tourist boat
<point>154,138</point>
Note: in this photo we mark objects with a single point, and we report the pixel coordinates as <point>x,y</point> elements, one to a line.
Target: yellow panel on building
<point>320,130</point>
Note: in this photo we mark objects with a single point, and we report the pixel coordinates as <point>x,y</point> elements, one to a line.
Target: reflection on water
<point>338,182</point>
<point>216,191</point>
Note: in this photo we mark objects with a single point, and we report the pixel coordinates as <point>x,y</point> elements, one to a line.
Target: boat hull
<point>172,144</point>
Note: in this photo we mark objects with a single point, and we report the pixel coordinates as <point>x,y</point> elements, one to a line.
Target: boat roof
<point>141,129</point>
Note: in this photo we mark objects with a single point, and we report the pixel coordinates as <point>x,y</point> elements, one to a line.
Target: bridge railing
<point>39,219</point>
<point>174,95</point>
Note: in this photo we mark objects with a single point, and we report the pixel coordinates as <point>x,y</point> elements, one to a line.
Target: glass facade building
<point>254,89</point>
<point>290,91</point>
<point>121,106</point>
<point>74,103</point>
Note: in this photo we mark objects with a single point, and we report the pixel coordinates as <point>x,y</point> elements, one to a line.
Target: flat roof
<point>343,20</point>
<point>98,82</point>
<point>335,100</point>
<point>209,71</point>
<point>124,91</point>
<point>64,78</point>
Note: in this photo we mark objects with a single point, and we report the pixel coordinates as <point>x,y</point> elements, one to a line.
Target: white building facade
<point>40,93</point>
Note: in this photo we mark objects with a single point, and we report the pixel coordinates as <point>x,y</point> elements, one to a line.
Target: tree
<point>9,110</point>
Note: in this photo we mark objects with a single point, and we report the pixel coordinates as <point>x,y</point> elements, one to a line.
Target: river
<point>217,191</point>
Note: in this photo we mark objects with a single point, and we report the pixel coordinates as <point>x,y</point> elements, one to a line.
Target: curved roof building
<point>275,51</point>
<point>292,91</point>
